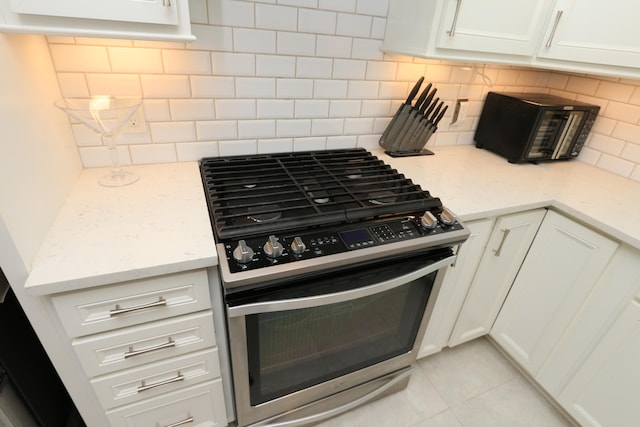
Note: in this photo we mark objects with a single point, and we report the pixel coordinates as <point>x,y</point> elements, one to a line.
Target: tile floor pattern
<point>471,385</point>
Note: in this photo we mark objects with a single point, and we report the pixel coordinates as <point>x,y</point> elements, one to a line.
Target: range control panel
<point>272,250</point>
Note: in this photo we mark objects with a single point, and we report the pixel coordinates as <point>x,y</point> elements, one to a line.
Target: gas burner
<point>353,173</point>
<point>264,213</point>
<point>249,183</point>
<point>382,197</point>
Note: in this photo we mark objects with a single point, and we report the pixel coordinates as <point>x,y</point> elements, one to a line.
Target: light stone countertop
<point>476,183</point>
<point>158,225</point>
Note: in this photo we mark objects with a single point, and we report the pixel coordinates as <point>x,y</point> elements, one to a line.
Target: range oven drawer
<point>134,385</point>
<point>122,349</point>
<point>130,303</point>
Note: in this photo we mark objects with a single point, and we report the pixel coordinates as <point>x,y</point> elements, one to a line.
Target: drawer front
<point>201,405</point>
<point>131,347</point>
<point>130,303</point>
<point>134,385</point>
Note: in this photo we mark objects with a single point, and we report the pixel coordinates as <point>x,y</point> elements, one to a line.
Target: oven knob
<point>447,217</point>
<point>298,246</point>
<point>428,221</point>
<point>242,253</point>
<point>273,248</point>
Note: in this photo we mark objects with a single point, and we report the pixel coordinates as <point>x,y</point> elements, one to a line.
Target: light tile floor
<point>471,385</point>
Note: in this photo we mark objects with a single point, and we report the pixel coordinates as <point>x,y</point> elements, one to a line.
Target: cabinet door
<point>498,26</point>
<point>605,391</point>
<point>562,266</point>
<point>507,247</point>
<point>454,288</point>
<point>594,31</point>
<point>147,11</point>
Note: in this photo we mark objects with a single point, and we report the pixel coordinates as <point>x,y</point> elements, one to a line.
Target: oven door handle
<point>319,300</point>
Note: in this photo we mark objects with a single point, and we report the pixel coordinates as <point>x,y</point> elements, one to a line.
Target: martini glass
<point>105,115</point>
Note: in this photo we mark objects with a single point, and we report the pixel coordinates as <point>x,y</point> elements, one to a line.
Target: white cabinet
<point>593,31</point>
<point>148,348</point>
<point>507,248</point>
<point>454,288</point>
<point>131,19</point>
<point>498,26</point>
<point>605,390</point>
<point>560,270</point>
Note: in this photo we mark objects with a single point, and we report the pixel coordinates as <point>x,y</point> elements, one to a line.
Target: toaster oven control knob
<point>298,246</point>
<point>243,253</point>
<point>428,221</point>
<point>447,217</point>
<point>273,248</point>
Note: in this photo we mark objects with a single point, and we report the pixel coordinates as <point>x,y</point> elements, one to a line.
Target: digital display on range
<point>354,237</point>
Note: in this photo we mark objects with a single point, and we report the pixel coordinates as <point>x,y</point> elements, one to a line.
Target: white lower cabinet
<point>148,348</point>
<point>562,266</point>
<point>506,249</point>
<point>454,288</point>
<point>605,390</point>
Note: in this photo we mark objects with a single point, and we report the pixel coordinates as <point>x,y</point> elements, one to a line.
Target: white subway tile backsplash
<point>239,147</point>
<point>293,128</point>
<point>438,73</point>
<point>233,64</point>
<point>376,8</point>
<point>213,87</point>
<point>338,5</point>
<point>296,43</point>
<point>615,165</point>
<point>186,62</point>
<point>341,142</point>
<point>311,108</point>
<point>326,127</point>
<point>217,130</point>
<point>344,108</point>
<point>623,112</point>
<point>378,27</point>
<point>582,85</point>
<point>627,132</point>
<point>272,17</point>
<point>282,145</point>
<point>380,124</point>
<point>314,67</point>
<point>73,85</point>
<point>300,3</point>
<point>274,108</point>
<point>368,142</point>
<point>333,46</point>
<point>310,143</point>
<point>255,87</point>
<point>376,108</point>
<point>275,66</point>
<point>114,84</point>
<point>255,41</point>
<point>211,38</point>
<point>156,110</point>
<point>631,152</point>
<point>231,13</point>
<point>353,25</point>
<point>614,91</point>
<point>198,11</point>
<point>165,86</point>
<point>248,129</point>
<point>412,72</point>
<point>366,49</point>
<point>363,90</point>
<point>235,109</point>
<point>84,136</point>
<point>172,131</point>
<point>96,157</point>
<point>394,90</point>
<point>194,151</point>
<point>357,126</point>
<point>89,59</point>
<point>294,88</point>
<point>153,153</point>
<point>381,70</point>
<point>351,69</point>
<point>635,174</point>
<point>330,89</point>
<point>192,109</point>
<point>316,21</point>
<point>135,60</point>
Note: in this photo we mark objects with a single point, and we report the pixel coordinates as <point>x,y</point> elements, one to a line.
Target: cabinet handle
<point>161,301</point>
<point>505,233</point>
<point>187,420</point>
<point>143,387</point>
<point>132,352</point>
<point>452,30</point>
<point>166,3</point>
<point>555,27</point>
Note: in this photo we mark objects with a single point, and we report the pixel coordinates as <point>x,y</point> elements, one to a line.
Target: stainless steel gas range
<point>330,262</point>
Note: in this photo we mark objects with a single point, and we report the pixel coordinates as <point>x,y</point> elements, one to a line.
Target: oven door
<point>307,341</point>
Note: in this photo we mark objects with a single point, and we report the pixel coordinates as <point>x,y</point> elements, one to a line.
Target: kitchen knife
<point>413,121</point>
<point>433,126</point>
<point>386,140</point>
<point>423,134</point>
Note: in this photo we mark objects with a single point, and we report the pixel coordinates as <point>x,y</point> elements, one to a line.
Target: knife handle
<point>422,97</point>
<point>440,116</point>
<point>427,101</point>
<point>415,90</point>
<point>431,107</point>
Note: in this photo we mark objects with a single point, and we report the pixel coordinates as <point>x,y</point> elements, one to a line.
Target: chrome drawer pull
<point>132,352</point>
<point>504,237</point>
<point>143,387</point>
<point>161,301</point>
<point>179,423</point>
<point>166,3</point>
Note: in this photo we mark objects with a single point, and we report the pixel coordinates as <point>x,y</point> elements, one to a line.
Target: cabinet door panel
<point>562,266</point>
<point>605,390</point>
<point>498,26</point>
<point>507,247</point>
<point>615,42</point>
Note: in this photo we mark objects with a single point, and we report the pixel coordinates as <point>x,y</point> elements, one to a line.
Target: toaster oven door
<point>547,134</point>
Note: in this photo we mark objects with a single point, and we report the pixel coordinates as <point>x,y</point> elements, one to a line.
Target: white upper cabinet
<point>498,26</point>
<point>594,31</point>
<point>131,19</point>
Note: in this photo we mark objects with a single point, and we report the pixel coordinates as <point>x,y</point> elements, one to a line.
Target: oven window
<point>295,349</point>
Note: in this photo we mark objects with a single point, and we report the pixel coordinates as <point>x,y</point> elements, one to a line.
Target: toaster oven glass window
<point>547,134</point>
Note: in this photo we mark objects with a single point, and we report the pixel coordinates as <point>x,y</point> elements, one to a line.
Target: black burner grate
<point>260,194</point>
